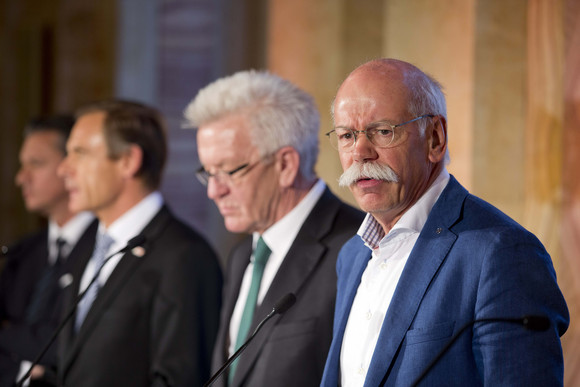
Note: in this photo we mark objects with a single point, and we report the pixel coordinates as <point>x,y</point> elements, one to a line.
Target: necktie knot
<point>103,244</point>
<point>262,252</point>
<point>60,243</point>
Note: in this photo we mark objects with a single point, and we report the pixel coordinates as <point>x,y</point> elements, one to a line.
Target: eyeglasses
<point>381,134</point>
<point>224,177</point>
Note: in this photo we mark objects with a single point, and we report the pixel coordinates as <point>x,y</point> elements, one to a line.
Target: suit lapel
<point>240,259</point>
<point>71,300</point>
<point>107,294</point>
<point>427,256</point>
<point>82,250</point>
<point>349,287</point>
<point>292,273</point>
<point>302,258</point>
<point>112,288</point>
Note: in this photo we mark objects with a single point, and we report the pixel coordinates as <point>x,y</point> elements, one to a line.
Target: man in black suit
<point>150,317</point>
<point>38,267</point>
<point>258,144</point>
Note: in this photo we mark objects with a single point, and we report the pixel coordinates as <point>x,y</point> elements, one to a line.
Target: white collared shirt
<point>379,281</point>
<point>279,238</point>
<point>122,230</point>
<point>70,232</point>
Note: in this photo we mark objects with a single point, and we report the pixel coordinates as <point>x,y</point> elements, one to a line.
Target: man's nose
<point>21,176</point>
<point>63,168</point>
<point>216,188</point>
<point>362,149</point>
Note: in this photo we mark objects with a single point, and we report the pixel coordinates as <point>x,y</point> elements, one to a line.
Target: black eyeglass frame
<point>203,175</point>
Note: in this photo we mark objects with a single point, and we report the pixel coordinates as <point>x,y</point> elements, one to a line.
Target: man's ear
<point>437,138</point>
<point>131,160</point>
<point>288,164</point>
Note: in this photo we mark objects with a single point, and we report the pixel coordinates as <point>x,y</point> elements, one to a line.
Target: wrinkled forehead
<point>224,139</point>
<point>372,94</point>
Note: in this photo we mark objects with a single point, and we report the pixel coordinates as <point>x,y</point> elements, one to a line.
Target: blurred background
<point>511,70</point>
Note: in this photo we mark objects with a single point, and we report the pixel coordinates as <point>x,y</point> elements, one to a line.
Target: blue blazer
<point>470,262</point>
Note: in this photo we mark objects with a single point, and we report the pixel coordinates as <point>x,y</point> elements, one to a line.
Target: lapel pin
<point>138,251</point>
<point>65,280</point>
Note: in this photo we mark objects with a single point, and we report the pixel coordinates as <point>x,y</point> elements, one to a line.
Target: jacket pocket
<point>431,333</point>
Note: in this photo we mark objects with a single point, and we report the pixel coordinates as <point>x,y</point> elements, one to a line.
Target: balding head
<point>420,92</point>
<point>390,119</point>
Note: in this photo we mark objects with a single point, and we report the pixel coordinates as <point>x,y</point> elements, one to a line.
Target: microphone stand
<point>280,307</point>
<point>136,241</point>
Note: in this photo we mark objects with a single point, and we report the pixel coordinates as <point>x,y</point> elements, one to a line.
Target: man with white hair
<point>258,144</point>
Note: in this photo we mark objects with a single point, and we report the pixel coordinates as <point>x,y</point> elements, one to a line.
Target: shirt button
<point>360,370</point>
<point>383,265</point>
<point>369,315</point>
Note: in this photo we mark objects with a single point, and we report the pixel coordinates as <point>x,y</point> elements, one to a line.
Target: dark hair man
<point>151,316</point>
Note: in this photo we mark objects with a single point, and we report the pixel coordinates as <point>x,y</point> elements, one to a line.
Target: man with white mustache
<point>367,171</point>
<point>430,258</point>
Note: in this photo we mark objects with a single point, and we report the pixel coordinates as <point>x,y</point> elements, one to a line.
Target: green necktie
<point>261,255</point>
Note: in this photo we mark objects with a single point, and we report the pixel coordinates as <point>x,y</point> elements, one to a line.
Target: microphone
<point>280,307</point>
<point>131,244</point>
<point>531,322</point>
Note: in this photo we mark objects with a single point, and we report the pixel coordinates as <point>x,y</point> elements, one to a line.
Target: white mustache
<point>359,171</point>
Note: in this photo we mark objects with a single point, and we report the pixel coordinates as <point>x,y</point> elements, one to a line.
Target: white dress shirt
<point>122,230</point>
<point>279,238</point>
<point>379,281</point>
<point>70,232</point>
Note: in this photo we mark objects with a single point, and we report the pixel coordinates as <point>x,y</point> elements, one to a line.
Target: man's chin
<point>369,202</point>
<point>236,227</point>
<point>77,207</point>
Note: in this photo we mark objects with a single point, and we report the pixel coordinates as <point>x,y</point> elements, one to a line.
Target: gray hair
<point>426,97</point>
<point>279,113</point>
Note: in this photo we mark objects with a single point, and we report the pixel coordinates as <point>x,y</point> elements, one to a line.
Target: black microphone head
<point>536,323</point>
<point>284,303</point>
<point>134,242</point>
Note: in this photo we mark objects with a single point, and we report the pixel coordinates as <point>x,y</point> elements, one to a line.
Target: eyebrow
<point>374,123</point>
<point>77,149</point>
<point>222,166</point>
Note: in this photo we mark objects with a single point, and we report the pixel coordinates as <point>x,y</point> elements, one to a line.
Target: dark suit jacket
<point>25,264</point>
<point>470,262</point>
<point>290,350</point>
<point>154,321</point>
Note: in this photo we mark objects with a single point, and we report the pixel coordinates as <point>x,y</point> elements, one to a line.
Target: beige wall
<point>510,70</point>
